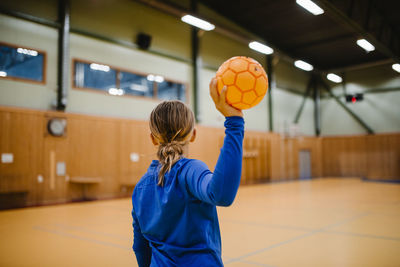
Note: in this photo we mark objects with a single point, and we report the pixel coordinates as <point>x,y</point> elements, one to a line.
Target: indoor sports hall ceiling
<point>327,41</point>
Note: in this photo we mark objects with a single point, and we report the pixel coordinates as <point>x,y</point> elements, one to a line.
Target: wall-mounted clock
<point>57,126</point>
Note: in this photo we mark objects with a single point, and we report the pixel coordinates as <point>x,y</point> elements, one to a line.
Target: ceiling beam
<point>178,12</point>
<point>362,66</point>
<point>325,41</point>
<point>346,18</point>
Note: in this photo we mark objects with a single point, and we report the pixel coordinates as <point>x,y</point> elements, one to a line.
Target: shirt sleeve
<point>140,244</point>
<point>219,188</point>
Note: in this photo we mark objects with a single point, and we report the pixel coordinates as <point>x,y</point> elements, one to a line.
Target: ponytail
<point>171,124</point>
<point>168,155</point>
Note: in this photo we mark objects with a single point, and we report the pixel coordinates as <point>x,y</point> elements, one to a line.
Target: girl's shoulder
<point>186,162</point>
<point>191,166</point>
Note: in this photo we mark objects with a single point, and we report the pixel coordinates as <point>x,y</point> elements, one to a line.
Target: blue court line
<point>270,247</point>
<point>297,238</point>
<point>364,235</point>
<point>353,218</point>
<point>104,243</point>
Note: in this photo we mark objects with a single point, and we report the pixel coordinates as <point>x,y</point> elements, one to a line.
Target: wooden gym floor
<point>322,222</point>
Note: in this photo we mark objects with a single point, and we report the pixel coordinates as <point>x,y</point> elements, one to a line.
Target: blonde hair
<point>171,123</point>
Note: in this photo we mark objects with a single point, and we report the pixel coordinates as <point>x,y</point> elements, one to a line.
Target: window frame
<point>44,67</point>
<point>117,82</point>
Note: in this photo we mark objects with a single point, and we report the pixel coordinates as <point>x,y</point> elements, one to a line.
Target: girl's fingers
<point>222,98</point>
<point>213,90</point>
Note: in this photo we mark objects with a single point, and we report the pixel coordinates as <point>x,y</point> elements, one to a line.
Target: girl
<point>175,220</point>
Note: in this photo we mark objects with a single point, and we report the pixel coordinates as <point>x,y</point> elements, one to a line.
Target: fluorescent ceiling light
<point>199,23</point>
<point>367,46</point>
<point>3,74</point>
<point>27,51</point>
<point>396,67</point>
<point>259,47</point>
<point>115,91</point>
<point>303,65</point>
<point>155,78</point>
<point>310,6</point>
<point>100,67</point>
<point>334,78</point>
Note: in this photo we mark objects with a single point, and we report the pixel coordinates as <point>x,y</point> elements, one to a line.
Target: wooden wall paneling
<point>290,158</point>
<point>344,156</point>
<point>325,160</point>
<point>54,187</point>
<point>394,157</point>
<point>336,157</point>
<point>349,150</point>
<point>329,157</point>
<point>107,147</point>
<point>294,157</point>
<point>330,163</point>
<point>276,157</point>
<point>251,162</point>
<point>316,157</point>
<point>264,166</point>
<point>93,152</point>
<point>373,157</point>
<point>135,142</point>
<point>254,158</point>
<point>259,160</point>
<point>128,168</point>
<point>128,144</point>
<point>391,157</point>
<point>381,148</point>
<point>351,146</point>
<point>101,147</point>
<point>146,148</point>
<point>361,156</point>
<point>245,164</point>
<point>20,136</point>
<point>352,161</point>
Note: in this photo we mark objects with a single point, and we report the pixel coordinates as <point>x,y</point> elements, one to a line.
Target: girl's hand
<point>220,101</point>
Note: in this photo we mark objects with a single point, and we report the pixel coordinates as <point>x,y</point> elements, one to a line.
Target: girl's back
<point>182,230</point>
<point>174,204</point>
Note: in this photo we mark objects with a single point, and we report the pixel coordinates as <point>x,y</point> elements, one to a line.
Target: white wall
<point>122,20</point>
<point>380,111</point>
<point>285,108</point>
<point>25,94</point>
<point>91,102</point>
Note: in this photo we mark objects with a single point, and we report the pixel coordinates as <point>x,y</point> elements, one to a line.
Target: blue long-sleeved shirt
<point>177,224</point>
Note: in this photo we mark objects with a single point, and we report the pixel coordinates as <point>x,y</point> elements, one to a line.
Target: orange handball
<point>246,80</point>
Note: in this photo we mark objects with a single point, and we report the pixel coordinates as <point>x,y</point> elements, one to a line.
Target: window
<point>134,84</point>
<point>95,76</point>
<point>120,82</point>
<point>168,90</point>
<point>18,62</point>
